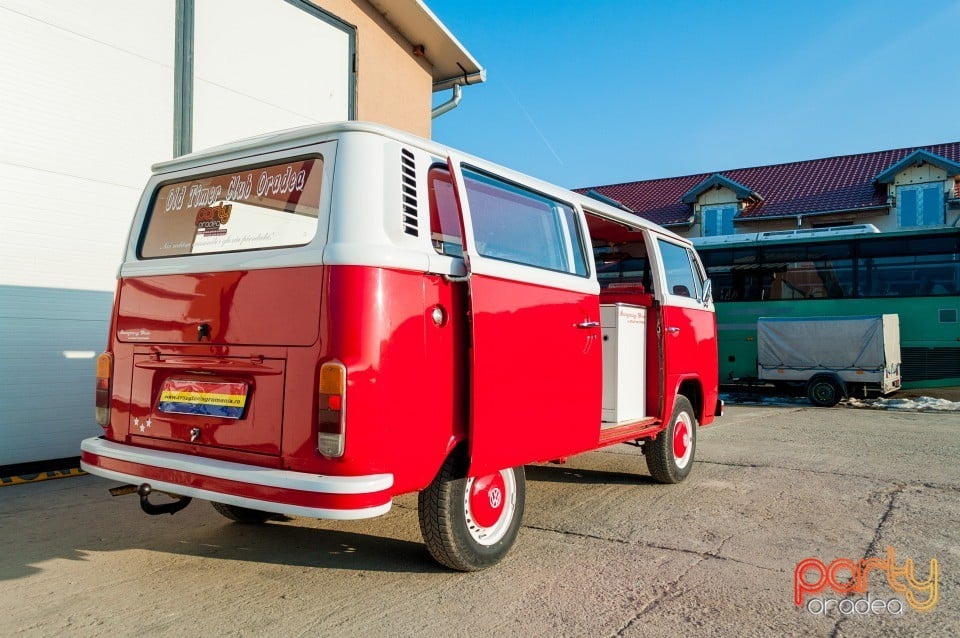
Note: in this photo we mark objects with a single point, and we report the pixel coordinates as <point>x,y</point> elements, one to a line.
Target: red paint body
<point>406,381</point>
<point>535,396</point>
<point>509,370</point>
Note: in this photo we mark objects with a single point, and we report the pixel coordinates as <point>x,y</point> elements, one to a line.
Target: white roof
<point>450,60</point>
<point>313,133</point>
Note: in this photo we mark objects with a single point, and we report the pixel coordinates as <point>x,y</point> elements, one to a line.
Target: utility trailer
<point>835,357</point>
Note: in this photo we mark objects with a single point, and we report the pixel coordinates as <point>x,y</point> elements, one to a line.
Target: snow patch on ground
<point>913,404</point>
<point>917,404</point>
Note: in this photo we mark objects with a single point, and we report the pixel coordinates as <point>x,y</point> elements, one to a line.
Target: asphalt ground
<point>604,551</point>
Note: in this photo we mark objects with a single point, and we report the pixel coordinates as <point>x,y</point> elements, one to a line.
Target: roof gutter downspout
<point>455,83</point>
<point>449,105</point>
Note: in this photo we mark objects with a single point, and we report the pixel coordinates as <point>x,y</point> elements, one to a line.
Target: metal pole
<point>183,79</point>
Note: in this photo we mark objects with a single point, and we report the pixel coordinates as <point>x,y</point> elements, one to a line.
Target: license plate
<point>206,398</point>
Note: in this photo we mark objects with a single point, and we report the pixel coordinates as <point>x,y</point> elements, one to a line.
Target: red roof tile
<point>814,186</point>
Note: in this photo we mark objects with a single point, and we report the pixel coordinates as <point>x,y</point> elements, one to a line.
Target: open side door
<point>689,326</point>
<point>535,360</point>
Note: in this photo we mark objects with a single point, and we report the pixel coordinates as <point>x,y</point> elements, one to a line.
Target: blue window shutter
<point>710,225</point>
<point>726,220</point>
<point>932,209</point>
<point>909,206</point>
<point>718,220</point>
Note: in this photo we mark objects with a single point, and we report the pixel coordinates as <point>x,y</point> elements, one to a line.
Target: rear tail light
<point>331,409</point>
<point>104,383</point>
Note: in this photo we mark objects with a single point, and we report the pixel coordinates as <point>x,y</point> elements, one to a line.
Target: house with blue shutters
<point>894,189</point>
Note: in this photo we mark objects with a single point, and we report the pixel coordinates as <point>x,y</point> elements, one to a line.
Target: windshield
<point>265,207</point>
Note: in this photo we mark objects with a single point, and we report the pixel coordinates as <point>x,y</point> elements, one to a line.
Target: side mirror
<point>707,291</point>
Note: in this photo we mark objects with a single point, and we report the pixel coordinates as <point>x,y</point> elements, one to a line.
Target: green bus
<point>840,271</point>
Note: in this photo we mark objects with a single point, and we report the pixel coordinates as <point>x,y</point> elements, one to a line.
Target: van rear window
<point>265,207</point>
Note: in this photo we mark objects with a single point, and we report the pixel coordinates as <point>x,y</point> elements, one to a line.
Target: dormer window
<point>920,205</point>
<point>919,181</point>
<point>719,199</point>
<point>718,219</point>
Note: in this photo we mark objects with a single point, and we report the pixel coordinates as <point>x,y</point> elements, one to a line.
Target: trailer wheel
<point>471,523</point>
<point>824,391</point>
<point>670,455</point>
<point>242,514</point>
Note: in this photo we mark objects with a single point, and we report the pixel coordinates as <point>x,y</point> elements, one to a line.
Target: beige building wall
<point>716,196</point>
<point>394,87</point>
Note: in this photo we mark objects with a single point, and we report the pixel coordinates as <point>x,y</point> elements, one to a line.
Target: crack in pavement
<point>623,541</point>
<point>790,469</point>
<point>668,592</point>
<point>936,486</point>
<point>892,494</point>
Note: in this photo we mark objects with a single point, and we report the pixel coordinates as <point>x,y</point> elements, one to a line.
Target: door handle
<point>673,330</point>
<point>587,324</point>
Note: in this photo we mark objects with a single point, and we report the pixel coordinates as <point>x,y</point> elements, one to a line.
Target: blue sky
<point>591,93</point>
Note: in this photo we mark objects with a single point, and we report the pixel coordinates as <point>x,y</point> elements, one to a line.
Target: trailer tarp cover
<point>822,343</point>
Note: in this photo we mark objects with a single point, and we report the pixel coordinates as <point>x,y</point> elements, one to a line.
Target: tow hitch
<point>144,491</point>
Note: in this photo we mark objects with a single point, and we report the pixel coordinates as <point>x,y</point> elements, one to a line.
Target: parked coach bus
<point>842,271</point>
<point>312,322</point>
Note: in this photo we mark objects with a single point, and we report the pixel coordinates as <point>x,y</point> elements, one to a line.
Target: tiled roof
<point>844,183</point>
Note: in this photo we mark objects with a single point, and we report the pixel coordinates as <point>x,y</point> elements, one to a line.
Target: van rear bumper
<point>250,486</point>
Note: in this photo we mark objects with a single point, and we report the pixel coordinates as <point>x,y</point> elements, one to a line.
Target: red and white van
<point>313,322</point>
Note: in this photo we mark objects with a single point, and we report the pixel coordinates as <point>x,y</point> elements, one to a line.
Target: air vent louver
<point>408,179</point>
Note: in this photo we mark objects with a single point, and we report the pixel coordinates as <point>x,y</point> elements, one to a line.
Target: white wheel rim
<point>683,439</point>
<point>493,533</point>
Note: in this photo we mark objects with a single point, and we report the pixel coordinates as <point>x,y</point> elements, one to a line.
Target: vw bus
<point>313,322</point>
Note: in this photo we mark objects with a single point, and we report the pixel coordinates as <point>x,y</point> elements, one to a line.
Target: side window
<point>517,225</point>
<point>698,276</point>
<point>683,279</point>
<point>444,215</point>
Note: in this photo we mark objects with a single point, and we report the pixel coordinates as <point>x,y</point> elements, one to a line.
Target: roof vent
<point>408,177</point>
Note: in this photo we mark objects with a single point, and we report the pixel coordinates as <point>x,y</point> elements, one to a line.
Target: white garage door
<point>86,106</point>
<point>265,66</point>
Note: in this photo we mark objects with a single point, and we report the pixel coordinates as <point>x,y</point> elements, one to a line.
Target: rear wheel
<point>242,514</point>
<point>471,523</point>
<point>670,455</point>
<point>824,391</point>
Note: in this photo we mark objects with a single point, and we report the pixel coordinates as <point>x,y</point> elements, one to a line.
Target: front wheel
<point>670,455</point>
<point>471,523</point>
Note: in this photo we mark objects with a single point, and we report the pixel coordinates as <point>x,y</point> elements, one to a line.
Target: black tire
<point>670,455</point>
<point>824,391</point>
<point>451,530</point>
<point>242,514</point>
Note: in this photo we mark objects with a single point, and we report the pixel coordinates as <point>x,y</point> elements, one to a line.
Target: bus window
<point>444,215</point>
<point>682,276</point>
<point>271,206</point>
<point>823,271</point>
<point>736,274</point>
<point>519,226</point>
<point>926,266</point>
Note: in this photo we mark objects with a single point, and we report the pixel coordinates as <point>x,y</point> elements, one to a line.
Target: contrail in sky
<point>533,124</point>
